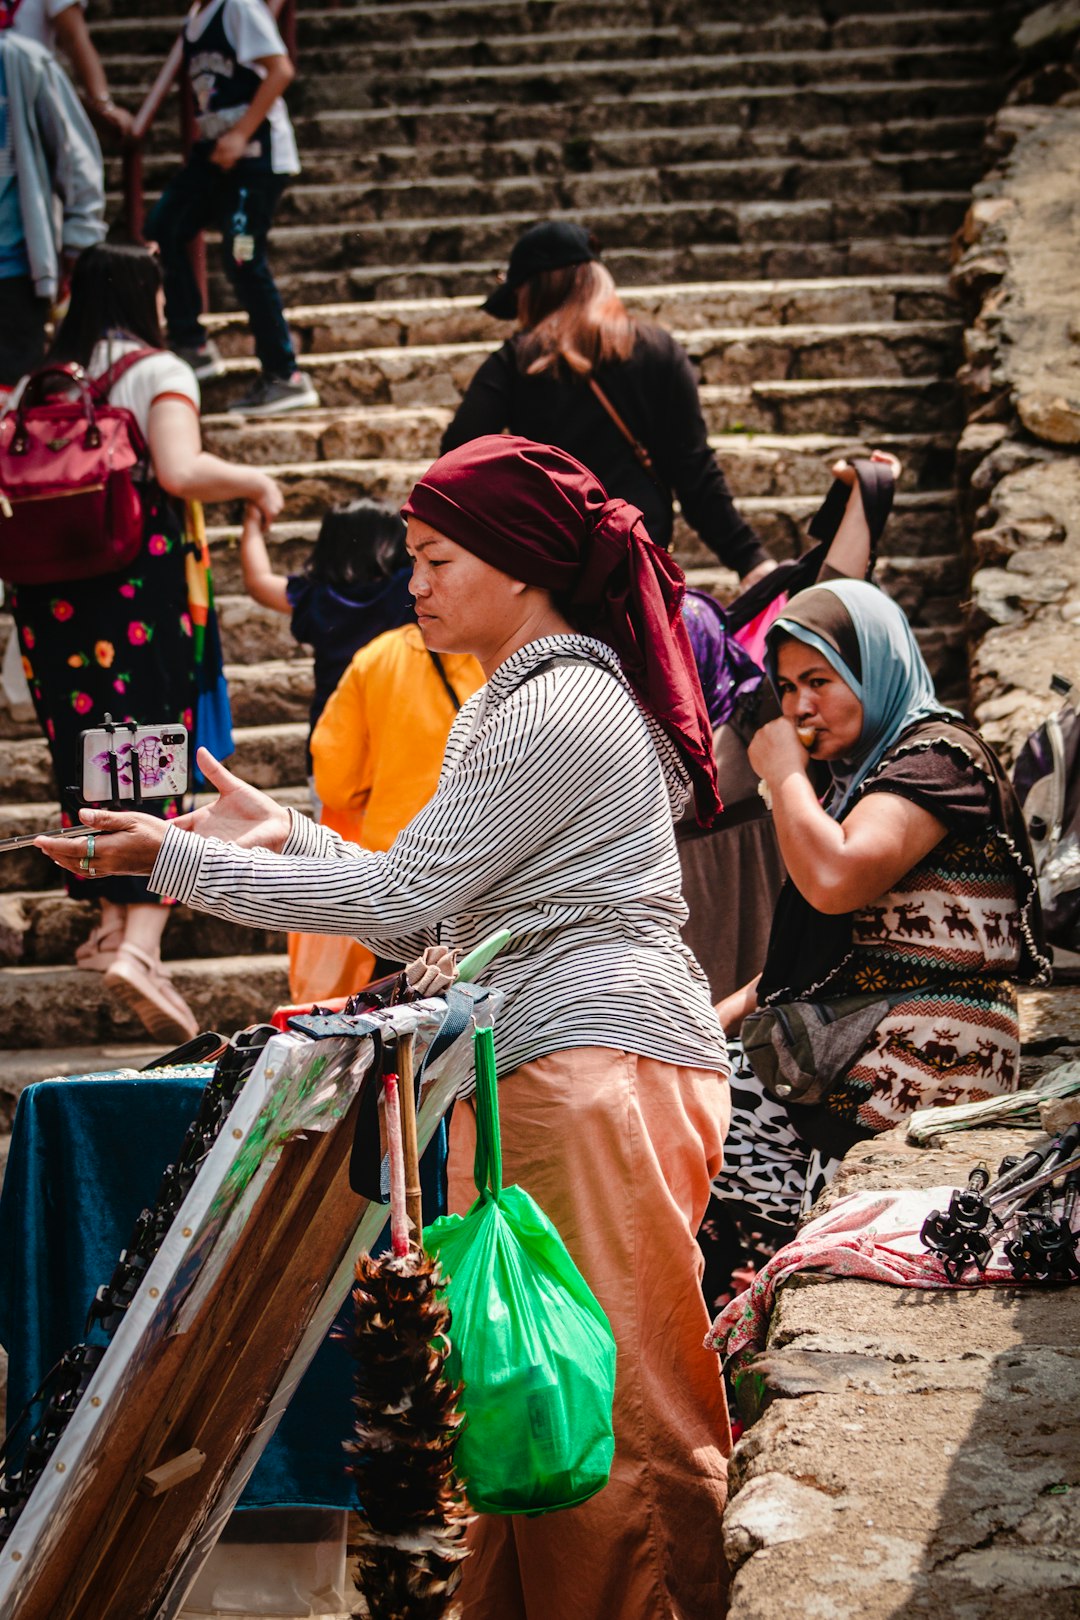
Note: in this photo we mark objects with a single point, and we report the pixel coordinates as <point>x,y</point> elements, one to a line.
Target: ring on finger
<point>91,871</point>
<point>84,864</point>
<point>90,846</point>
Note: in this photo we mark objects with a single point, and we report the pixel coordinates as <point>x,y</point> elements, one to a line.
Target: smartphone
<point>154,756</point>
<point>159,754</point>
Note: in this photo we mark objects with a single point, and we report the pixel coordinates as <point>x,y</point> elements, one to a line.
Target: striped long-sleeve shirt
<point>552,818</point>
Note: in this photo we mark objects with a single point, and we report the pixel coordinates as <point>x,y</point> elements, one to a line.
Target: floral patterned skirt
<point>119,644</point>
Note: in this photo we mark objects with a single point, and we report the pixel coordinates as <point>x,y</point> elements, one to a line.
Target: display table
<point>87,1155</point>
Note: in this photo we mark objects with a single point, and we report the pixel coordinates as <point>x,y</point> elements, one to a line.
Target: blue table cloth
<point>87,1155</point>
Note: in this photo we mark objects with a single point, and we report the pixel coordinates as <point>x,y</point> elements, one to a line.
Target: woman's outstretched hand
<point>130,850</point>
<point>240,814</point>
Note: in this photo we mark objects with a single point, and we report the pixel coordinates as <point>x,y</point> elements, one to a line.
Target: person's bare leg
<point>145,926</point>
<point>139,981</point>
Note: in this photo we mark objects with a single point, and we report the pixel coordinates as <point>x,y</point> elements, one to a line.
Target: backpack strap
<point>104,385</point>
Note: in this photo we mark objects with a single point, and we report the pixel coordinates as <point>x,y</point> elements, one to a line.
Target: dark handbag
<point>800,1050</point>
<point>70,470</point>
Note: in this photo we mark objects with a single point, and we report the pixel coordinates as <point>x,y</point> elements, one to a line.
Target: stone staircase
<point>776,183</point>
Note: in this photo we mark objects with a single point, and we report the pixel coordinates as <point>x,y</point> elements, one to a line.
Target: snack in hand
<point>806,735</point>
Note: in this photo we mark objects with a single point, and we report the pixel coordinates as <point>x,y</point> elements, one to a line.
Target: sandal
<point>96,954</point>
<point>137,981</point>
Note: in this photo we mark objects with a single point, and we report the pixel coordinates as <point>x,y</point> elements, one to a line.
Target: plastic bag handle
<point>487,1164</point>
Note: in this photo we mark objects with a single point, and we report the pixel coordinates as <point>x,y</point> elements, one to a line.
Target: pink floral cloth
<point>870,1235</point>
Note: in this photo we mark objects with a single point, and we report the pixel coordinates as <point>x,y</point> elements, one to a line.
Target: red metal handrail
<point>134,204</point>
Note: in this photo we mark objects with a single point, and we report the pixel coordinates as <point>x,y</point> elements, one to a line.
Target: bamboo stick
<point>407,1100</point>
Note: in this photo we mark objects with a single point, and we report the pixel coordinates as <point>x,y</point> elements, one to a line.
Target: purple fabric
<point>726,669</point>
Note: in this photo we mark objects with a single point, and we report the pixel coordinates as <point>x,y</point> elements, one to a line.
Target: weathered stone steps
<point>916,526</point>
<point>342,280</point>
<point>44,927</point>
<point>362,200</point>
<point>496,35</point>
<point>64,1006</point>
<point>330,76</point>
<point>347,123</point>
<point>438,374</point>
<point>326,328</point>
<point>899,141</point>
<point>754,227</point>
<point>269,756</point>
<point>754,464</point>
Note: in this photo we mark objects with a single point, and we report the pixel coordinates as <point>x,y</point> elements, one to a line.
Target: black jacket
<point>655,393</point>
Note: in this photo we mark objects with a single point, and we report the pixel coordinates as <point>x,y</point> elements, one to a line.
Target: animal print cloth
<point>770,1174</point>
<point>949,930</point>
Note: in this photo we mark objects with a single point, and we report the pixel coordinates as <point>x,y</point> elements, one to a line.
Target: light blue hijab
<point>860,629</point>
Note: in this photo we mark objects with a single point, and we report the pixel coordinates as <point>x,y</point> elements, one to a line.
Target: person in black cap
<point>620,394</point>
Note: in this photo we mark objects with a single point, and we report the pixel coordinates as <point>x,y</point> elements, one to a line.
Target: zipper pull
<point>5,506</point>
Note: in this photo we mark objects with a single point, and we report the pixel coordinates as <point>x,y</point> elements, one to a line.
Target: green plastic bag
<point>529,1341</point>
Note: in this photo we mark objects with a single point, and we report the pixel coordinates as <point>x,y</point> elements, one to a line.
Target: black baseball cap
<point>552,245</point>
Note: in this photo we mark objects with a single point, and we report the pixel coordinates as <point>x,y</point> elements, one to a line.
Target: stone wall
<point>1018,270</point>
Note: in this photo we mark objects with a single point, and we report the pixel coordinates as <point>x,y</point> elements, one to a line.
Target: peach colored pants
<point>619,1151</point>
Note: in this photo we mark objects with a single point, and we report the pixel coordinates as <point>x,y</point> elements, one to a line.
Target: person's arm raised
<point>838,866</point>
<point>185,469</point>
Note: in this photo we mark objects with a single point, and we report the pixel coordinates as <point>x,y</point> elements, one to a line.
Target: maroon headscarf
<point>542,517</point>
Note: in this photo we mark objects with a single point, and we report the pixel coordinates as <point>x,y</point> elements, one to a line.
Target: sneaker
<point>272,396</point>
<point>205,361</point>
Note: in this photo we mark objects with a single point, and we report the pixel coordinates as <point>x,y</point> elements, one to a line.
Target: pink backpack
<point>70,469</point>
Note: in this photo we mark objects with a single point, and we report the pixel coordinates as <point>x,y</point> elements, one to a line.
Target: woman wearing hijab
<point>553,818</point>
<point>913,879</point>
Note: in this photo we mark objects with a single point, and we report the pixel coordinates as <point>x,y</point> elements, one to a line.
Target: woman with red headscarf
<point>553,818</point>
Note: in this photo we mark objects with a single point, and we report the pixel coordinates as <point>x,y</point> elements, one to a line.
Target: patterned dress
<point>121,644</point>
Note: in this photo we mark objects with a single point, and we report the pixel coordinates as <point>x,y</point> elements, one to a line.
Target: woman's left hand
<point>776,751</point>
<point>130,850</point>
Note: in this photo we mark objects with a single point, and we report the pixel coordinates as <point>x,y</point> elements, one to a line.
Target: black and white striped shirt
<point>553,818</point>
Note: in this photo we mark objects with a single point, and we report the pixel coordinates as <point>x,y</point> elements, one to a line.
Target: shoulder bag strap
<point>444,677</point>
<point>645,461</point>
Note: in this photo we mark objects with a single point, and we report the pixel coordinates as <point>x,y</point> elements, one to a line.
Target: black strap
<point>444,677</point>
<point>369,1169</point>
<point>876,485</point>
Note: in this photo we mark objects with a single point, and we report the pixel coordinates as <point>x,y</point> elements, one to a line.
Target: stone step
<point>64,1006</point>
<point>261,692</point>
<point>438,374</point>
<point>631,266</point>
<point>754,465</point>
<point>341,75</point>
<point>491,32</point>
<point>352,199</point>
<point>22,1066</point>
<point>418,16</point>
<point>754,227</point>
<point>865,406</point>
<point>754,180</point>
<point>399,323</point>
<point>348,123</point>
<point>270,756</point>
<point>42,927</point>
<point>906,145</point>
<point>922,523</point>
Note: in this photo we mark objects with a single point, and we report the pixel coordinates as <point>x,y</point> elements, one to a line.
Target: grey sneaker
<point>273,396</point>
<point>205,361</point>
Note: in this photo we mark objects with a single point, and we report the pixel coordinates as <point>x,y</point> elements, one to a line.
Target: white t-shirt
<point>147,380</point>
<point>34,19</point>
<point>253,34</point>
